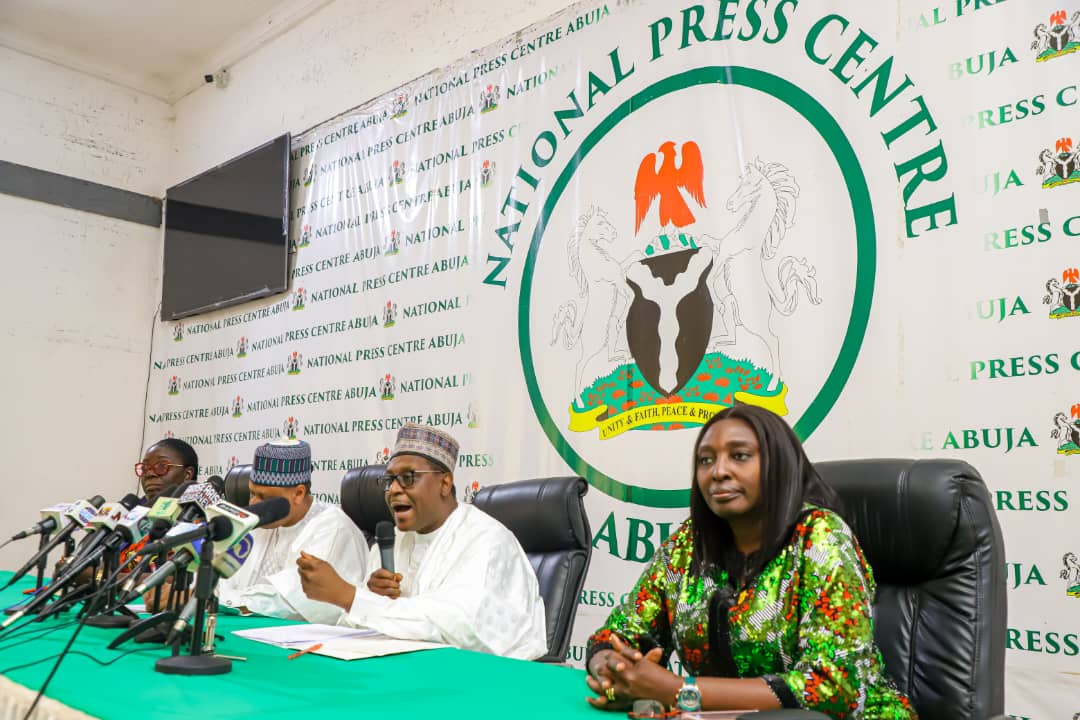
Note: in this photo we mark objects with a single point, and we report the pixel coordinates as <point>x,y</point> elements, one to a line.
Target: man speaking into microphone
<point>267,583</point>
<point>459,576</point>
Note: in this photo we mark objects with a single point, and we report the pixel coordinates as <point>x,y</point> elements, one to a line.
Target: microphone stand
<point>43,562</point>
<point>67,598</point>
<point>197,663</point>
<point>109,618</point>
<point>155,629</point>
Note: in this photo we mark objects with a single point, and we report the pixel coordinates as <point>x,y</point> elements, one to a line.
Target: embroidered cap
<point>427,442</point>
<point>282,463</point>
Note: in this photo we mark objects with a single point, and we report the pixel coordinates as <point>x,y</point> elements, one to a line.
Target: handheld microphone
<point>384,535</point>
<point>78,514</point>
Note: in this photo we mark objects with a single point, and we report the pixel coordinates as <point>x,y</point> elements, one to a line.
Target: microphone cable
<point>88,611</point>
<point>36,633</point>
<point>102,663</point>
<point>7,633</point>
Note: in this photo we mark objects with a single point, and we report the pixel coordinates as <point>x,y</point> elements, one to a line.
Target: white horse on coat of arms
<point>749,282</point>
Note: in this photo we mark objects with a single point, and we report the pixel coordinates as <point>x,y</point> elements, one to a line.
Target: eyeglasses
<point>159,468</point>
<point>406,479</point>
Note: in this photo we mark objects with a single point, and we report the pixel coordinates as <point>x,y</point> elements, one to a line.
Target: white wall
<point>80,290</point>
<point>339,58</point>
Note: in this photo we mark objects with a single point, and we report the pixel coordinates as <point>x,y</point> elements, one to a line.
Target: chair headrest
<point>362,498</point>
<point>546,515</point>
<point>236,485</point>
<point>907,514</point>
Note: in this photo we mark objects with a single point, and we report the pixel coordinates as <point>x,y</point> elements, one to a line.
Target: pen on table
<point>305,651</point>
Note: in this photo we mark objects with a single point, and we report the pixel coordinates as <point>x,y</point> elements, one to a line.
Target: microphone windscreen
<point>97,501</point>
<point>270,511</point>
<point>130,500</point>
<point>180,489</point>
<point>220,527</point>
<point>384,534</point>
<point>217,483</point>
<point>158,529</point>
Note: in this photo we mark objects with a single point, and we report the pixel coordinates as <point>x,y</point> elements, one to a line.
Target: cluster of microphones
<point>129,550</point>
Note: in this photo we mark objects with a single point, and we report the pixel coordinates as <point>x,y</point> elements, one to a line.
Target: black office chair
<point>929,532</point>
<point>363,500</point>
<point>236,485</point>
<point>548,518</point>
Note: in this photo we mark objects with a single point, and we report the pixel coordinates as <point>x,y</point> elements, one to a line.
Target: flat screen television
<point>226,234</point>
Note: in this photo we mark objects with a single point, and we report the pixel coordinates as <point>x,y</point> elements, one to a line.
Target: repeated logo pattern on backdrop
<point>573,247</point>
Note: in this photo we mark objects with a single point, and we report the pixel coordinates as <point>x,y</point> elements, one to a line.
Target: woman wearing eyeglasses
<point>763,592</point>
<point>166,465</point>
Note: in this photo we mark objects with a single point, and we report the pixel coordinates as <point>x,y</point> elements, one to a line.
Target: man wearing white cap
<point>267,583</point>
<point>462,578</point>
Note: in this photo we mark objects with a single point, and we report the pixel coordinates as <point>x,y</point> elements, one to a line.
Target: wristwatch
<point>688,699</point>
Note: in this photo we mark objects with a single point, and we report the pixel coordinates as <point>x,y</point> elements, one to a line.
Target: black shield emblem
<point>1065,164</point>
<point>1060,37</point>
<point>693,313</point>
<point>1070,297</point>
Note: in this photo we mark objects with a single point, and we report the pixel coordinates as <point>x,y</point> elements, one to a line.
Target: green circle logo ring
<point>866,251</point>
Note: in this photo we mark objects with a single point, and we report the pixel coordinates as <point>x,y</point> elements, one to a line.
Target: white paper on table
<point>303,635</point>
<point>369,646</point>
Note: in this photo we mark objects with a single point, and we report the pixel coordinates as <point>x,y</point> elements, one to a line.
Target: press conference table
<point>444,683</point>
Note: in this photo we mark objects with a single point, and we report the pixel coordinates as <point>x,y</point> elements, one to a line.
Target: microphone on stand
<point>129,530</point>
<point>199,496</point>
<point>163,516</point>
<point>78,515</point>
<point>227,525</point>
<point>103,524</point>
<point>225,565</point>
<point>51,518</point>
<point>199,662</point>
<point>104,539</point>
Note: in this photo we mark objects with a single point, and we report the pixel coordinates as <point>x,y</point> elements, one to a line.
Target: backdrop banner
<point>571,248</point>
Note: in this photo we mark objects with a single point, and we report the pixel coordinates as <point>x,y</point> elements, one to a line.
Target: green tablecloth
<point>438,683</point>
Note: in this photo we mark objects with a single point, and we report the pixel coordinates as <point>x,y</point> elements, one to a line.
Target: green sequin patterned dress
<point>804,625</point>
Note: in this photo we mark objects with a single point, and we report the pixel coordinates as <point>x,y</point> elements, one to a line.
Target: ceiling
<point>158,47</point>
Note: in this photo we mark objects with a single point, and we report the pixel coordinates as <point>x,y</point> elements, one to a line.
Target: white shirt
<point>268,583</point>
<point>467,584</point>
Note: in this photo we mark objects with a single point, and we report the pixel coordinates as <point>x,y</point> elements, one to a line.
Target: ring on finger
<point>610,694</point>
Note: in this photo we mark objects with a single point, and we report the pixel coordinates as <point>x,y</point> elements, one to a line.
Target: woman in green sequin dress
<point>763,592</point>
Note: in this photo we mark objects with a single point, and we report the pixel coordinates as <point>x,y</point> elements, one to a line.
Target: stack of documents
<point>334,641</point>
